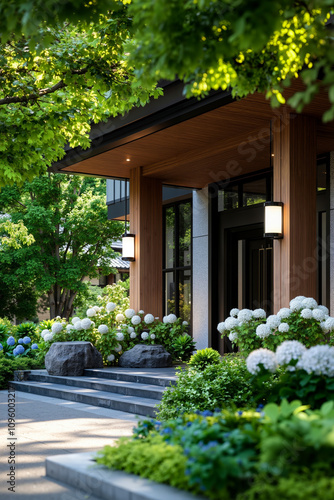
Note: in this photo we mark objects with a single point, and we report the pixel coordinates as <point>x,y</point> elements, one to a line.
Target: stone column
<point>200,272</point>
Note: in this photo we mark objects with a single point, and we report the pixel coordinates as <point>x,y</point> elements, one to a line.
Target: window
<point>244,192</point>
<point>177,259</point>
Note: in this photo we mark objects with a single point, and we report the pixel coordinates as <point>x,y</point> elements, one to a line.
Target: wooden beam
<point>146,224</point>
<point>295,263</point>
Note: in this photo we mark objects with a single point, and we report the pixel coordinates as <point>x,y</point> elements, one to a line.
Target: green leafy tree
<point>67,217</point>
<point>58,81</point>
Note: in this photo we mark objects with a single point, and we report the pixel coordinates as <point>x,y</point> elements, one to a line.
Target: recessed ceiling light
<point>128,159</point>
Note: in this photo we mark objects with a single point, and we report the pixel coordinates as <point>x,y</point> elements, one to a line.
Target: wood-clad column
<point>295,262</point>
<point>146,224</point>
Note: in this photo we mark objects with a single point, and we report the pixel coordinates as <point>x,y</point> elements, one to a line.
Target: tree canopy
<point>67,217</point>
<point>55,85</point>
<point>65,65</point>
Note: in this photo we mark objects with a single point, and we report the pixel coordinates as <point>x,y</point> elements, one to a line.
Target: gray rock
<point>145,356</point>
<point>72,358</point>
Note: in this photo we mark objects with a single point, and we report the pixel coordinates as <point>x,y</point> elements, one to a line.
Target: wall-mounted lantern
<point>128,247</point>
<point>273,219</point>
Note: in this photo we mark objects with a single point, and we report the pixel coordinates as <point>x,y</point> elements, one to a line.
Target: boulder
<point>72,358</point>
<point>145,356</point>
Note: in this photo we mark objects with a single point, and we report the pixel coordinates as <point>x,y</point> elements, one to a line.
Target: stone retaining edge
<point>80,471</point>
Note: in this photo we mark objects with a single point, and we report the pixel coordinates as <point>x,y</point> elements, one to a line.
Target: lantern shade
<point>128,247</point>
<point>273,219</point>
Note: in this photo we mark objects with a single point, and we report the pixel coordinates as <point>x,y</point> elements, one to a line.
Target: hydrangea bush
<point>303,320</point>
<point>308,374</point>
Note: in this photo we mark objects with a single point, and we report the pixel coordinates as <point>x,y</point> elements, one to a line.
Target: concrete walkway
<point>45,427</point>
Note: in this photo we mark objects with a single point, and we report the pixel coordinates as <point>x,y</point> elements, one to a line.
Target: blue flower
<point>167,430</point>
<point>207,413</point>
<point>34,346</point>
<point>10,341</point>
<point>20,341</point>
<point>18,350</point>
<point>240,412</point>
<point>1,347</point>
<point>26,340</point>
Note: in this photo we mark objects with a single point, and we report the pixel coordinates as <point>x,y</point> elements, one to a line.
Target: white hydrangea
<point>172,318</point>
<point>110,306</point>
<point>144,335</point>
<point>324,309</point>
<point>233,336</point>
<point>184,323</point>
<point>245,315</point>
<point>318,360</point>
<point>152,336</point>
<point>91,312</point>
<point>97,309</point>
<point>44,332</point>
<point>111,357</point>
<point>231,323</point>
<point>329,323</point>
<point>141,312</point>
<point>324,327</point>
<point>69,327</point>
<point>259,313</point>
<point>149,318</point>
<point>284,313</point>
<point>119,336</point>
<point>296,304</point>
<point>289,350</point>
<point>273,321</point>
<point>130,329</point>
<point>263,331</point>
<point>57,327</point>
<point>48,337</point>
<point>86,323</point>
<point>118,348</point>
<point>165,319</point>
<point>318,314</point>
<point>261,356</point>
<point>221,327</point>
<point>283,328</point>
<point>120,317</point>
<point>129,313</point>
<point>75,319</point>
<point>133,335</point>
<point>309,303</point>
<point>102,329</point>
<point>135,320</point>
<point>306,313</point>
<point>234,312</point>
<point>78,325</point>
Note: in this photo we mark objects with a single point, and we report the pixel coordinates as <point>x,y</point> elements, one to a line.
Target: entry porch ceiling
<point>225,142</point>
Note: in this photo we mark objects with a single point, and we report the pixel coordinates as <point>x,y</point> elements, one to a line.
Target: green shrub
<point>9,365</point>
<point>217,386</point>
<point>182,347</point>
<point>236,455</point>
<point>27,329</point>
<point>203,358</point>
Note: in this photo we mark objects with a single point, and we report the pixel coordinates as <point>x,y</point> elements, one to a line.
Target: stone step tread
<point>108,384</point>
<point>155,377</point>
<point>66,389</point>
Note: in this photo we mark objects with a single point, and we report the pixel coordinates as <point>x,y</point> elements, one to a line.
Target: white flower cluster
<point>149,318</point>
<point>102,329</point>
<point>263,357</point>
<point>57,327</point>
<point>119,336</point>
<point>289,350</point>
<point>110,306</point>
<point>135,320</point>
<point>144,335</point>
<point>171,318</point>
<point>129,313</point>
<point>318,360</point>
<point>263,331</point>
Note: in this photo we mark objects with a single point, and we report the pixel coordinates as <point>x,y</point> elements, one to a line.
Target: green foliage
<point>9,365</point>
<point>203,358</point>
<point>27,329</point>
<point>241,45</point>
<point>5,329</point>
<point>67,217</point>
<point>229,454</point>
<point>216,386</point>
<point>153,458</point>
<point>14,235</point>
<point>56,81</point>
<point>182,347</point>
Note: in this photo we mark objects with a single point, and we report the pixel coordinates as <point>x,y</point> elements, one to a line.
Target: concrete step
<point>132,404</point>
<point>163,377</point>
<point>147,391</point>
